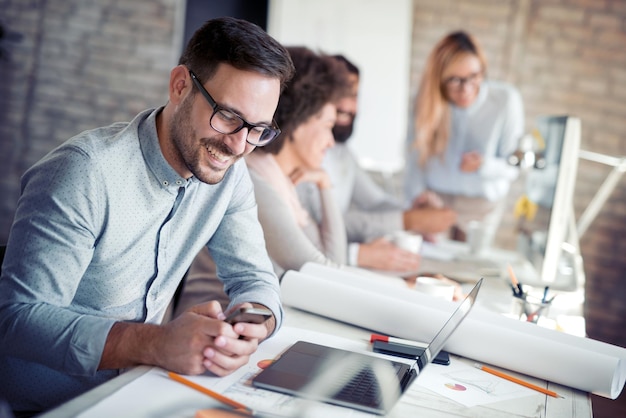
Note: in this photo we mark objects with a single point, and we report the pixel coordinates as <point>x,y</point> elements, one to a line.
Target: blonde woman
<point>463,130</point>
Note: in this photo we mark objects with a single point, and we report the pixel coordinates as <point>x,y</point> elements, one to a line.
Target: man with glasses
<point>109,222</point>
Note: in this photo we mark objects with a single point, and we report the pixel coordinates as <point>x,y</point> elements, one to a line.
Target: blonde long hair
<point>432,109</point>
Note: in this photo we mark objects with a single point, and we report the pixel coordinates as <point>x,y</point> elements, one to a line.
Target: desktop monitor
<point>549,188</point>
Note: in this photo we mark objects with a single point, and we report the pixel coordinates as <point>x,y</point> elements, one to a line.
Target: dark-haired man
<point>370,213</point>
<point>109,222</point>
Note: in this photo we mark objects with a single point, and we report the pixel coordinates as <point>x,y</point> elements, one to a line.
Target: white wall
<point>376,36</point>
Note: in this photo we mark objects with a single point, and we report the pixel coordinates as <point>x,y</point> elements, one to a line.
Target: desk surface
<point>418,401</point>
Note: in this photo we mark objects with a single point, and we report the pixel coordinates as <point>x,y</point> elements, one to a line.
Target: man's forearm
<point>128,344</point>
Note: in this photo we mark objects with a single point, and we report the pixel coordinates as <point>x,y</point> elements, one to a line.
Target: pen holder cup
<point>529,308</point>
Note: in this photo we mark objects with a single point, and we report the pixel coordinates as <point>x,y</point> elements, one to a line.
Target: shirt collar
<point>167,177</point>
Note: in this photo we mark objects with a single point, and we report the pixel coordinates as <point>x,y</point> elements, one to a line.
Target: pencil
<point>516,380</point>
<point>217,396</point>
<point>515,281</point>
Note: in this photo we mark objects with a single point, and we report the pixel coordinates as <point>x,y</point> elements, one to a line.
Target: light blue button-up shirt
<point>104,231</point>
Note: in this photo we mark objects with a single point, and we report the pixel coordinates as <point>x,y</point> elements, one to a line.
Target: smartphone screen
<point>251,315</point>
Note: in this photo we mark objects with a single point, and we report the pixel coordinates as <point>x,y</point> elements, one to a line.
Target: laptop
<point>355,380</point>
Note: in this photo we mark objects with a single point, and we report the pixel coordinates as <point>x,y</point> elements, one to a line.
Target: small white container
<point>435,287</point>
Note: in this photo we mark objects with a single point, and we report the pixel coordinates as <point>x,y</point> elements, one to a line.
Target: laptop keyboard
<point>362,387</point>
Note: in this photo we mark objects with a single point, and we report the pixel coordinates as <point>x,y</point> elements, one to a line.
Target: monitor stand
<point>570,272</point>
<point>570,275</point>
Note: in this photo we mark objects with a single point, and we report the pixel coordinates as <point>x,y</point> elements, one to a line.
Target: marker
<point>387,339</point>
<point>395,349</point>
<point>545,294</point>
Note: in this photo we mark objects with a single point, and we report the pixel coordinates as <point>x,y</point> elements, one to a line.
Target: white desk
<point>421,402</point>
<point>418,401</point>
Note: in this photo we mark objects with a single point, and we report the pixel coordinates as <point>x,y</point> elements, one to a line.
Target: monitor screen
<point>545,208</point>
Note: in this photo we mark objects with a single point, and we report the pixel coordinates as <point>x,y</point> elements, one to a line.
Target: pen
<point>515,282</point>
<point>545,294</point>
<point>217,396</point>
<point>516,380</point>
<point>385,338</point>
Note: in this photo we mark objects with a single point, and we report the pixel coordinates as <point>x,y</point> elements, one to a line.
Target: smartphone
<point>251,315</point>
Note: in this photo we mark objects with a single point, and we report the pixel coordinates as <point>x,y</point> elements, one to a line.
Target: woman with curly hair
<point>306,114</point>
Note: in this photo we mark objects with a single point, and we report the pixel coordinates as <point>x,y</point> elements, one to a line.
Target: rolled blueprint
<point>388,307</point>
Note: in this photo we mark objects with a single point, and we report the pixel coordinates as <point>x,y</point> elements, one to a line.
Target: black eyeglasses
<point>228,122</point>
<point>457,83</point>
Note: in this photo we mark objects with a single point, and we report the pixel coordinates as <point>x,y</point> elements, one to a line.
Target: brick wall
<point>566,57</point>
<point>79,65</point>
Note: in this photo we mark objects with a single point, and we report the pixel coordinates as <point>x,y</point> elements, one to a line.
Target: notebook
<point>355,380</point>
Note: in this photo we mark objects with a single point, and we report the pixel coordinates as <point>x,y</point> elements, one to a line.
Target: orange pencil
<point>230,402</point>
<point>515,282</point>
<point>516,380</point>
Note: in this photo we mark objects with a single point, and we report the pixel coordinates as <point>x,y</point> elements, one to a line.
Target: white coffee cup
<point>475,237</point>
<point>408,241</point>
<point>435,287</point>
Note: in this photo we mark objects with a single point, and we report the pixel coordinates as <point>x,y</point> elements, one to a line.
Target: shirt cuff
<point>353,254</point>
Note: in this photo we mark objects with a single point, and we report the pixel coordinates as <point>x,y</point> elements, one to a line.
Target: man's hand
<point>227,354</point>
<point>383,255</point>
<point>196,341</point>
<point>427,199</point>
<point>429,220</point>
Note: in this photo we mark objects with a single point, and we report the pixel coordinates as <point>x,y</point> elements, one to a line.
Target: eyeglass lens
<point>460,82</point>
<point>227,122</point>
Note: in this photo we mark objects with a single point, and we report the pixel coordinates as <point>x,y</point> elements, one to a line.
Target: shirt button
<point>165,182</point>
<point>179,182</point>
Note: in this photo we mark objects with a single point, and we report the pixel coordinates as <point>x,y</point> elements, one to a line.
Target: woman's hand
<point>471,162</point>
<point>317,176</point>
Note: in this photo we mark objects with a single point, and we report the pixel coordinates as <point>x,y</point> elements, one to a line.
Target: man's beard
<point>343,132</point>
<point>190,151</point>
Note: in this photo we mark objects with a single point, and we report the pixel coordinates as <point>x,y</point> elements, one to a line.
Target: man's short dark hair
<point>239,43</point>
<point>352,69</point>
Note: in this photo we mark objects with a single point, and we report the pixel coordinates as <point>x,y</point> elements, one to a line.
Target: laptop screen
<point>439,340</point>
<point>352,379</point>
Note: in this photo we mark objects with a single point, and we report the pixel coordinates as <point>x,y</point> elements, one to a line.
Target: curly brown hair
<point>319,79</point>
